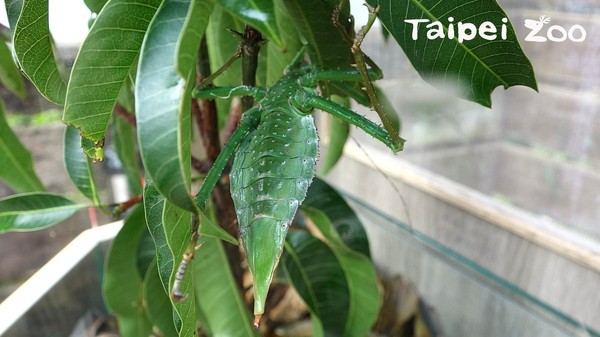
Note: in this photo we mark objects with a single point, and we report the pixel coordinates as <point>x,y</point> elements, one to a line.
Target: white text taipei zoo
<point>463,31</point>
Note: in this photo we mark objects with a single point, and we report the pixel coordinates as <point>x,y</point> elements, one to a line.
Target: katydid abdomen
<point>271,172</point>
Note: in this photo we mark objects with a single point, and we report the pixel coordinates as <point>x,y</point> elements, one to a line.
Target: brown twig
<point>124,206</point>
<point>123,113</point>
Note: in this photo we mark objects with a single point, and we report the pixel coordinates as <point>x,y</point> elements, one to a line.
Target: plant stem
<point>251,42</point>
<point>206,118</point>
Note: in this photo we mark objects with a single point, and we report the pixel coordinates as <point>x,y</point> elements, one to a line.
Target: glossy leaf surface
<point>79,165</point>
<point>217,293</point>
<point>364,295</point>
<point>313,269</point>
<point>337,284</point>
<point>177,226</point>
<point>323,197</point>
<point>125,142</point>
<point>33,211</point>
<point>154,204</point>
<point>221,46</point>
<point>279,57</point>
<point>257,13</point>
<point>34,49</point>
<point>158,305</point>
<point>122,283</point>
<point>163,103</point>
<point>17,165</point>
<point>312,19</point>
<point>9,74</point>
<point>103,64</point>
<point>472,67</point>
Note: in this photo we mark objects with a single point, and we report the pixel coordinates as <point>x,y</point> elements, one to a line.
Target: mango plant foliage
<point>131,86</point>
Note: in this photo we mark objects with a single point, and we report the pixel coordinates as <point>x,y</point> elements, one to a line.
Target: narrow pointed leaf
<point>34,49</point>
<point>154,204</point>
<point>257,13</point>
<point>314,270</point>
<point>221,46</point>
<point>217,293</point>
<point>338,285</point>
<point>17,166</point>
<point>79,166</point>
<point>95,5</point>
<point>191,36</point>
<point>103,64</point>
<point>177,226</point>
<point>473,67</point>
<point>323,197</point>
<point>163,105</point>
<point>13,10</point>
<point>211,229</point>
<point>279,57</point>
<point>33,211</point>
<point>365,299</point>
<point>122,284</point>
<point>158,305</point>
<point>312,19</point>
<point>125,142</point>
<point>9,74</point>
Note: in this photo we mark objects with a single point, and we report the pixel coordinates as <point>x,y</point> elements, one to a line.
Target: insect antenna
<point>389,180</point>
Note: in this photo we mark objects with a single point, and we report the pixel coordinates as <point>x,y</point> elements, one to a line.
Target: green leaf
<point>13,10</point>
<point>338,285</point>
<point>210,229</point>
<point>323,197</point>
<point>94,150</point>
<point>103,64</point>
<point>125,142</point>
<point>217,293</point>
<point>9,74</point>
<point>35,210</point>
<point>279,57</point>
<point>474,67</point>
<point>193,30</point>
<point>79,166</point>
<point>313,269</point>
<point>158,306</point>
<point>365,299</point>
<point>95,5</point>
<point>17,166</point>
<point>257,13</point>
<point>154,204</point>
<point>177,226</point>
<point>163,103</point>
<point>221,46</point>
<point>312,19</point>
<point>122,284</point>
<point>34,49</point>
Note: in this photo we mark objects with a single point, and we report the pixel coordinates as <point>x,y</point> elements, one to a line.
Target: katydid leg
<point>228,91</point>
<point>349,75</point>
<point>304,100</point>
<point>248,123</point>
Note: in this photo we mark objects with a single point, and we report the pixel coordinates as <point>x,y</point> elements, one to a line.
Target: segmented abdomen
<point>271,172</point>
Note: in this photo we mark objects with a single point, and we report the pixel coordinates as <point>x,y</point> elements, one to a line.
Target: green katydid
<point>275,151</point>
